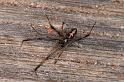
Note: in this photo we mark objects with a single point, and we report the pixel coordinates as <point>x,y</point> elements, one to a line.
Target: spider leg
<point>35,29</point>
<point>88,34</point>
<point>61,51</point>
<point>43,61</point>
<point>52,27</point>
<point>30,39</point>
<point>62,27</point>
<point>52,38</point>
<point>24,41</point>
<point>59,54</point>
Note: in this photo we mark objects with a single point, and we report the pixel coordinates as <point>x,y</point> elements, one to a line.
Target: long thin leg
<point>52,27</point>
<point>25,41</point>
<point>62,27</point>
<point>41,63</point>
<point>62,30</point>
<point>59,54</point>
<point>33,38</point>
<point>35,29</point>
<point>30,39</point>
<point>88,34</point>
<point>61,51</point>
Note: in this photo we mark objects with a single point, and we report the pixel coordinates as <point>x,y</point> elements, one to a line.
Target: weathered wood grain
<point>100,57</point>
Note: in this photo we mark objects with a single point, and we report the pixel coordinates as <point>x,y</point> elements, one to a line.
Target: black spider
<point>66,37</point>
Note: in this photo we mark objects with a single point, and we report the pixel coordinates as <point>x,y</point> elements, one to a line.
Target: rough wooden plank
<point>100,58</point>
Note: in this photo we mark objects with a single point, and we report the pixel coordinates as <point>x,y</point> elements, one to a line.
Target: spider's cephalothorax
<point>65,38</point>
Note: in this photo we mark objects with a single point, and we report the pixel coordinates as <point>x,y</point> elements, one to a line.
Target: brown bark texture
<point>98,58</point>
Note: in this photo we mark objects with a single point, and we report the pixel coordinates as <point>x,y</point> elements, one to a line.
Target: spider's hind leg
<point>58,56</point>
<point>24,41</point>
<point>30,39</point>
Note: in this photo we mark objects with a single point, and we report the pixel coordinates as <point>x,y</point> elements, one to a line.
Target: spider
<point>65,38</point>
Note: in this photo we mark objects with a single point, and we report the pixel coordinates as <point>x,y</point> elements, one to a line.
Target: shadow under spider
<point>66,38</point>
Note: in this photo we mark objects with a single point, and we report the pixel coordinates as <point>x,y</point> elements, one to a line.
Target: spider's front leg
<point>88,34</point>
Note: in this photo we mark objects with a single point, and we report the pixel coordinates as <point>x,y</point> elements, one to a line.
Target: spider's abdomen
<point>72,33</point>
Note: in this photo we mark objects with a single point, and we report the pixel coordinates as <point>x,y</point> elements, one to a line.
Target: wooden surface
<point>100,57</point>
